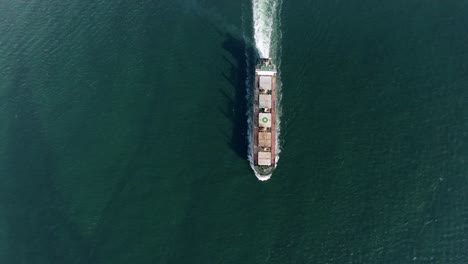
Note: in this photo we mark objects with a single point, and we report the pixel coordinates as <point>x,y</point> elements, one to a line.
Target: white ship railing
<point>269,73</point>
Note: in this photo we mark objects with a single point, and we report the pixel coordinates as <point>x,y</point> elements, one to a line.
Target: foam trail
<point>263,18</point>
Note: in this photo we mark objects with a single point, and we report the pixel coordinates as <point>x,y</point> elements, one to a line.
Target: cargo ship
<point>264,147</point>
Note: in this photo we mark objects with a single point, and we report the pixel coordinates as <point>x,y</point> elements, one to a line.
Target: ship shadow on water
<point>240,52</point>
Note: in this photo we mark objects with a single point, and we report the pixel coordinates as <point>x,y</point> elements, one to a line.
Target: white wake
<point>264,13</point>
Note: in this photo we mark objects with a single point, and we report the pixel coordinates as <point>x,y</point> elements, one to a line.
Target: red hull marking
<point>255,150</point>
<point>273,120</point>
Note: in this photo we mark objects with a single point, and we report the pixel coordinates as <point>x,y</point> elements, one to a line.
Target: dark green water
<point>122,134</point>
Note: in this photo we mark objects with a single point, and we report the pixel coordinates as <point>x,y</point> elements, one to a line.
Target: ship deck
<point>268,72</point>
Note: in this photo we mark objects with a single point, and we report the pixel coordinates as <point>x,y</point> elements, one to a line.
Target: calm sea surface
<point>123,133</point>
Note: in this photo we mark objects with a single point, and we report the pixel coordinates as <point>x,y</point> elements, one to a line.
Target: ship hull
<point>265,120</point>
